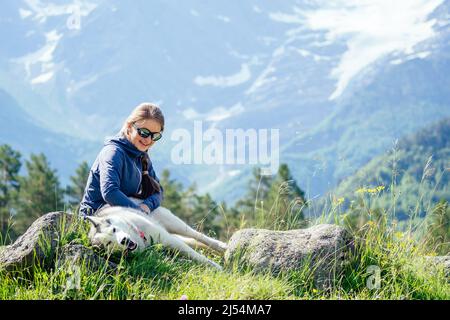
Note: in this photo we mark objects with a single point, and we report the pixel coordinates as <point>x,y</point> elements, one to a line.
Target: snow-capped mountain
<point>316,70</point>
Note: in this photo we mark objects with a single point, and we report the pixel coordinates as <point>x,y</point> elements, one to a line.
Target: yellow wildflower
<point>399,235</point>
<point>338,201</point>
<point>361,190</point>
<point>370,190</point>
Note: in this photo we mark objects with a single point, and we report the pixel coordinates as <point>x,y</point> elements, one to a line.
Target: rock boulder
<point>323,249</point>
<point>36,246</point>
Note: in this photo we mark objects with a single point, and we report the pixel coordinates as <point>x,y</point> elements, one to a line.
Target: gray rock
<point>36,246</point>
<point>75,254</point>
<point>441,262</point>
<point>322,248</point>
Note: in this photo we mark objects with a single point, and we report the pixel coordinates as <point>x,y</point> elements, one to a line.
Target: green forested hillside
<point>414,174</point>
<point>379,107</point>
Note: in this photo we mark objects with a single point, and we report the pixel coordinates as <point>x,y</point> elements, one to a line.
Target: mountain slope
<point>418,169</point>
<point>19,130</point>
<point>379,108</point>
<point>252,65</point>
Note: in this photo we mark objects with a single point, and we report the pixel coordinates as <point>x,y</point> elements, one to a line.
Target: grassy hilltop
<point>160,274</point>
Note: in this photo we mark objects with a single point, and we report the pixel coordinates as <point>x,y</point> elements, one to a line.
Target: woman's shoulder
<point>111,151</point>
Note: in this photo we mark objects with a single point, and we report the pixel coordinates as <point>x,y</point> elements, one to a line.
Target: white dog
<point>119,228</point>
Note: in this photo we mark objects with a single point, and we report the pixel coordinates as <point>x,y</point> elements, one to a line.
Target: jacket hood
<point>122,142</point>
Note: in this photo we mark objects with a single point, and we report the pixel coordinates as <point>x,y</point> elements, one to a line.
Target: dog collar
<point>142,235</point>
<point>139,232</point>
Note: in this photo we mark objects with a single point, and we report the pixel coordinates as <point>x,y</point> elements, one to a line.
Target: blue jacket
<point>115,176</point>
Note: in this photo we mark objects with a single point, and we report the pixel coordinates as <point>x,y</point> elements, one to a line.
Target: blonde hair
<point>143,112</point>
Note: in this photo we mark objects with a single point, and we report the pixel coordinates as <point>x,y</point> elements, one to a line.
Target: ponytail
<point>149,185</point>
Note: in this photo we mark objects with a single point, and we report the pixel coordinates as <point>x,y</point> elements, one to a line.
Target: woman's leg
<point>173,224</point>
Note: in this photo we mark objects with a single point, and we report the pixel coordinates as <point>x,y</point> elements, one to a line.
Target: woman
<point>123,169</point>
<point>123,172</point>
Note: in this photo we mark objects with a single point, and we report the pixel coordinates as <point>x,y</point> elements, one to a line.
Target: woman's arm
<point>110,167</point>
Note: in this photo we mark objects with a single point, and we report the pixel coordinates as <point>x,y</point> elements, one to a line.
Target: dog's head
<point>111,234</point>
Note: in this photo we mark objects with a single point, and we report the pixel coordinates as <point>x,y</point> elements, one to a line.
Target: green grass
<point>154,274</point>
<point>158,273</point>
<point>161,274</point>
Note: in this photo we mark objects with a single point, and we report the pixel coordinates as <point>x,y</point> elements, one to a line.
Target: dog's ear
<point>96,221</point>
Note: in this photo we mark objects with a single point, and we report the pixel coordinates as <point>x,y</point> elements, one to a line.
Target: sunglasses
<point>145,133</point>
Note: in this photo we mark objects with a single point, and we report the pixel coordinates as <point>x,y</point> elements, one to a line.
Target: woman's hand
<point>145,208</point>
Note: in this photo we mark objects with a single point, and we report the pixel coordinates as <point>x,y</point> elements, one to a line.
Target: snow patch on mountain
<point>215,115</point>
<point>43,78</point>
<point>226,81</point>
<point>39,65</point>
<point>418,55</point>
<point>43,10</point>
<point>309,54</point>
<point>24,13</point>
<point>371,29</point>
<point>264,78</point>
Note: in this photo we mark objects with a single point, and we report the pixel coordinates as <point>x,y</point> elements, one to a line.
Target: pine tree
<point>199,211</point>
<point>285,201</point>
<point>173,193</point>
<point>229,221</point>
<point>39,193</point>
<point>254,200</point>
<point>75,190</point>
<point>205,214</point>
<point>272,202</point>
<point>9,186</point>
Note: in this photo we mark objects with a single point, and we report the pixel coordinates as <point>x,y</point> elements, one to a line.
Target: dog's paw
<point>223,246</point>
<point>220,246</point>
